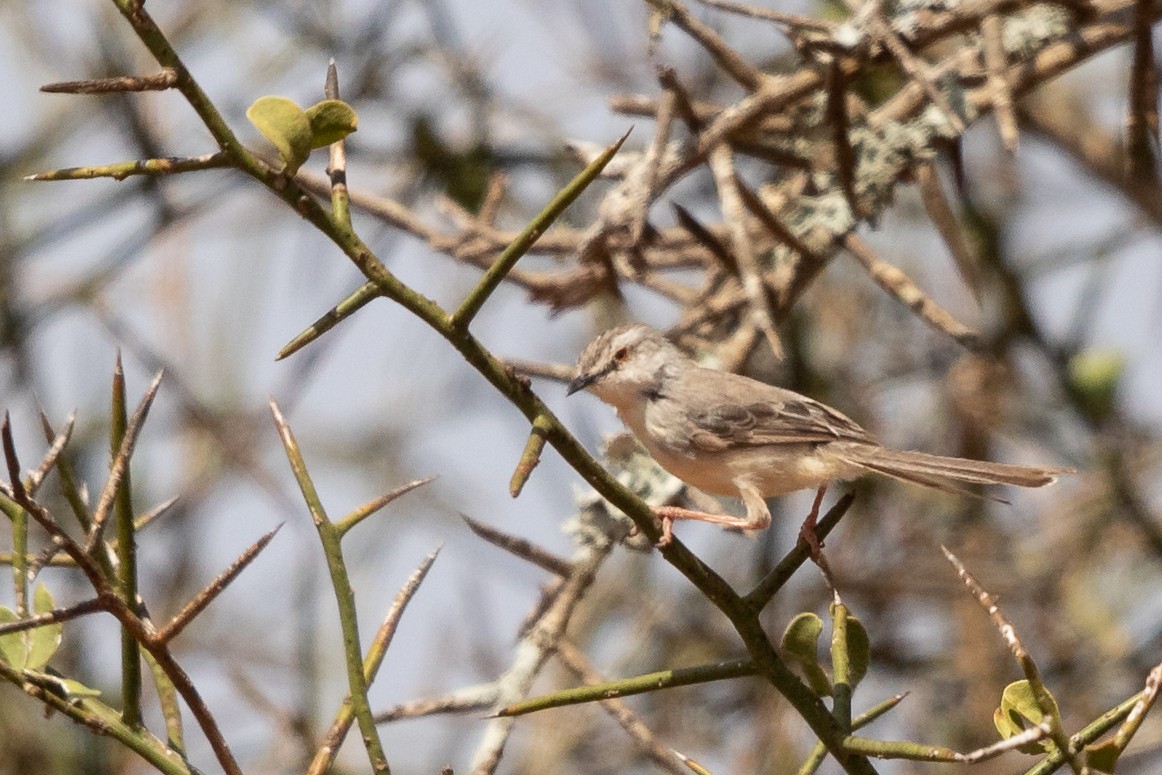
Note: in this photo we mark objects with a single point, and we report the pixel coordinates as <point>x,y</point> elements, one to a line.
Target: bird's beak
<point>581,382</point>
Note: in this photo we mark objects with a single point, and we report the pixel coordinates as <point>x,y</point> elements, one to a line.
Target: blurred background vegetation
<point>207,276</point>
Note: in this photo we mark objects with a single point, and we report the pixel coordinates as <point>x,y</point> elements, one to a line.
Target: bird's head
<point>626,362</point>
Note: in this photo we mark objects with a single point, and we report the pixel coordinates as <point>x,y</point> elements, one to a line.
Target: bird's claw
<point>667,531</point>
<point>811,541</point>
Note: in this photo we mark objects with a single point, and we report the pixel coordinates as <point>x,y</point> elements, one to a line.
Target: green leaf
<point>801,643</point>
<point>14,645</point>
<point>1095,375</point>
<point>1102,757</point>
<point>1004,724</point>
<point>286,126</point>
<point>331,121</point>
<point>1018,707</point>
<point>801,638</point>
<point>858,650</point>
<point>1019,697</point>
<point>43,641</point>
<point>31,649</point>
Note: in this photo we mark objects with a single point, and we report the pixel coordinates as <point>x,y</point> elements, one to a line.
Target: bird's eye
<point>621,354</point>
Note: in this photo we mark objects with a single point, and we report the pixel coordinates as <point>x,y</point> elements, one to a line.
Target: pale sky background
<point>219,295</point>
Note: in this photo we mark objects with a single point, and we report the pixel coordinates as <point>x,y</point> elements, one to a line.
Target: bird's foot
<point>807,531</point>
<point>811,541</point>
<point>666,516</point>
<point>667,533</point>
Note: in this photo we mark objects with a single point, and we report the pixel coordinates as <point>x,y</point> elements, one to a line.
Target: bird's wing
<point>732,411</point>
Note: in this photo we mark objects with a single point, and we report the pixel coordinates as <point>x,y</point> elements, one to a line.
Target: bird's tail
<point>935,470</point>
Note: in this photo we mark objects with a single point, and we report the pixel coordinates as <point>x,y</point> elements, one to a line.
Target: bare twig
<point>1145,702</point>
<point>706,238</point>
<point>649,175</point>
<point>337,159</point>
<point>1030,735</point>
<point>846,159</point>
<point>170,165</point>
<point>213,589</point>
<point>747,75</point>
<point>598,690</point>
<point>1142,117</point>
<point>1096,149</point>
<point>577,663</point>
<point>771,15</point>
<point>944,219</point>
<point>120,465</point>
<point>995,60</point>
<point>770,221</point>
<point>126,548</point>
<point>473,699</point>
<point>1008,633</point>
<point>521,547</point>
<point>819,753</point>
<point>733,210</point>
<point>462,317</point>
<point>16,486</point>
<point>155,513</point>
<point>73,494</point>
<point>917,71</point>
<point>54,616</point>
<point>535,648</point>
<point>558,372</point>
<point>36,478</point>
<point>908,293</point>
<point>165,79</point>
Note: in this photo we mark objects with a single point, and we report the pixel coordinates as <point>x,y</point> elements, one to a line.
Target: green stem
<point>766,589</point>
<point>367,509</point>
<point>126,556</point>
<point>899,749</point>
<point>330,537</point>
<point>1088,734</point>
<point>7,558</point>
<point>376,651</point>
<point>158,45</point>
<point>530,457</point>
<point>167,698</point>
<point>1134,722</point>
<point>504,263</point>
<point>337,168</point>
<point>360,298</point>
<point>819,753</point>
<point>19,518</point>
<point>639,684</point>
<point>103,720</point>
<point>840,666</point>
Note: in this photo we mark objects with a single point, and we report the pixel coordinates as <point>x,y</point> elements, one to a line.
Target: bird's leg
<point>807,531</point>
<point>758,516</point>
<point>667,514</point>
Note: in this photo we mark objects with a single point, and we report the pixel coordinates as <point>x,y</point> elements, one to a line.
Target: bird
<point>731,435</point>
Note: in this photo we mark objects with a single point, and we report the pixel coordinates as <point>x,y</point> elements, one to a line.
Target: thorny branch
<point>838,163</point>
